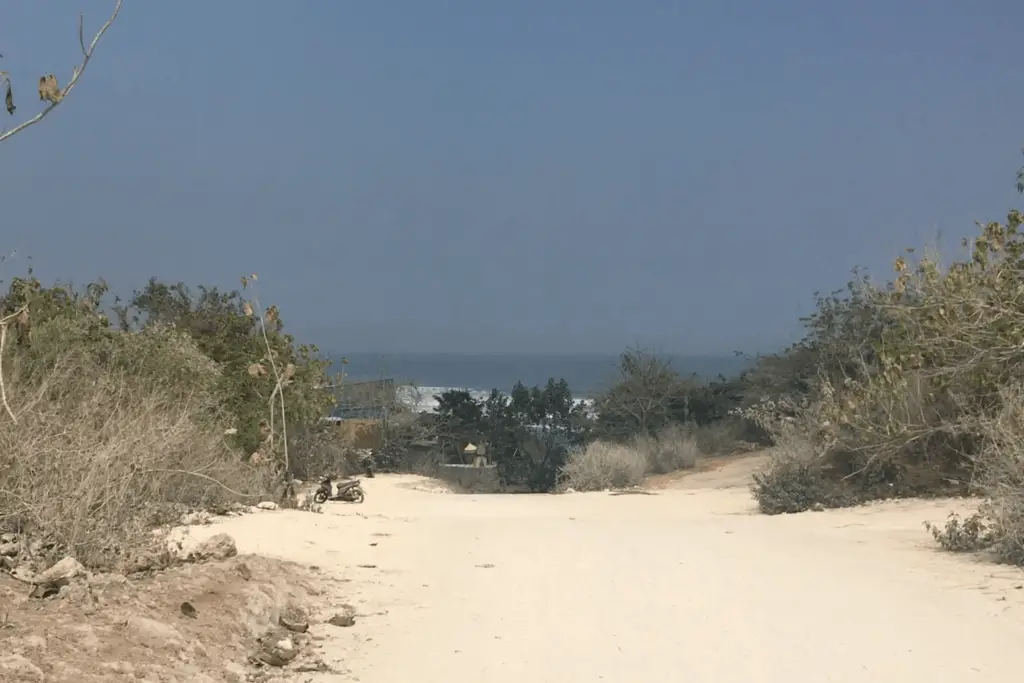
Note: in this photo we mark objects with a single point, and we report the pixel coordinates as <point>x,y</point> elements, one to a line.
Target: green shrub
<point>962,534</point>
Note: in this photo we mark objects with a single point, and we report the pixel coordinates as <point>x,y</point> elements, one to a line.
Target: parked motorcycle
<point>350,491</point>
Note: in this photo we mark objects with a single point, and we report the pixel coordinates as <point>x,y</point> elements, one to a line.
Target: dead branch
<point>200,475</point>
<point>54,96</point>
<point>278,378</point>
<point>3,341</point>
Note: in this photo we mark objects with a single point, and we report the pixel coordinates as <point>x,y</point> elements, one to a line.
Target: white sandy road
<point>685,585</point>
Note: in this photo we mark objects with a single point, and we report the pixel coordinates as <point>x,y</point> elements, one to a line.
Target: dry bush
<point>608,465</point>
<point>950,343</point>
<point>603,465</point>
<point>724,437</point>
<point>674,448</point>
<point>322,451</point>
<point>903,403</point>
<point>998,526</point>
<point>113,435</point>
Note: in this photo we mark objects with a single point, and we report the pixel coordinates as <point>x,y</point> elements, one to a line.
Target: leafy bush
<point>604,465</point>
<point>792,485</point>
<point>962,534</point>
<point>797,478</point>
<point>251,347</point>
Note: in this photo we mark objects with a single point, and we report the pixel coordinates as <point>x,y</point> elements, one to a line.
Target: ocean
<point>586,374</point>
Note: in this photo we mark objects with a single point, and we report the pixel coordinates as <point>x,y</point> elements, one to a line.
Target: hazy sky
<point>537,175</point>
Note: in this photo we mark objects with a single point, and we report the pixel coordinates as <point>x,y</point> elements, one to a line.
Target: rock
<point>56,578</point>
<point>313,665</point>
<point>9,548</point>
<point>153,634</point>
<point>267,505</point>
<point>277,651</point>
<point>147,559</point>
<point>16,668</point>
<point>344,619</point>
<point>196,518</point>
<point>8,537</point>
<point>44,590</point>
<point>24,573</point>
<point>62,572</point>
<point>8,563</point>
<point>78,593</point>
<point>216,547</point>
<point>293,620</point>
<point>298,626</point>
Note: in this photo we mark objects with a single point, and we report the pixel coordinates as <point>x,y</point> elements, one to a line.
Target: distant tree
<point>527,432</point>
<point>460,420</point>
<point>649,395</point>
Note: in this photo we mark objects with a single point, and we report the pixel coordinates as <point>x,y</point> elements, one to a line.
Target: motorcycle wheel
<point>356,495</point>
<point>320,497</point>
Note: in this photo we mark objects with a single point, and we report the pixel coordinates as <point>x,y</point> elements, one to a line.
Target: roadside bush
<point>603,465</point>
<point>962,534</point>
<point>674,448</point>
<point>611,465</point>
<point>906,378</point>
<point>107,431</point>
<point>796,480</point>
<point>112,437</point>
<point>321,450</point>
<point>728,436</point>
<point>998,525</point>
<point>792,485</point>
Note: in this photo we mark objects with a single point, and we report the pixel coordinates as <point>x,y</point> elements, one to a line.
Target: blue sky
<point>532,176</point>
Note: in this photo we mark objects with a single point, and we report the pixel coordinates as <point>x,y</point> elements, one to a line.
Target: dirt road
<point>687,584</point>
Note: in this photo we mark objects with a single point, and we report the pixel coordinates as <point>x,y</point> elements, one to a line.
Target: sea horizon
<point>586,373</point>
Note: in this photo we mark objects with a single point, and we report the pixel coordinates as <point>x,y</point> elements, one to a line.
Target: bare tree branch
<point>3,341</point>
<point>87,52</point>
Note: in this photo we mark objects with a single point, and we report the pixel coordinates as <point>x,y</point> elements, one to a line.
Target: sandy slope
<point>687,584</point>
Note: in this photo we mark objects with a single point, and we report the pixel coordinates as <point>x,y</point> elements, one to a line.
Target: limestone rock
<point>63,572</point>
<point>216,547</point>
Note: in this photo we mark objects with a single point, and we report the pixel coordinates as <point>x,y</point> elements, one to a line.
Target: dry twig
<point>4,322</point>
<point>47,88</point>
